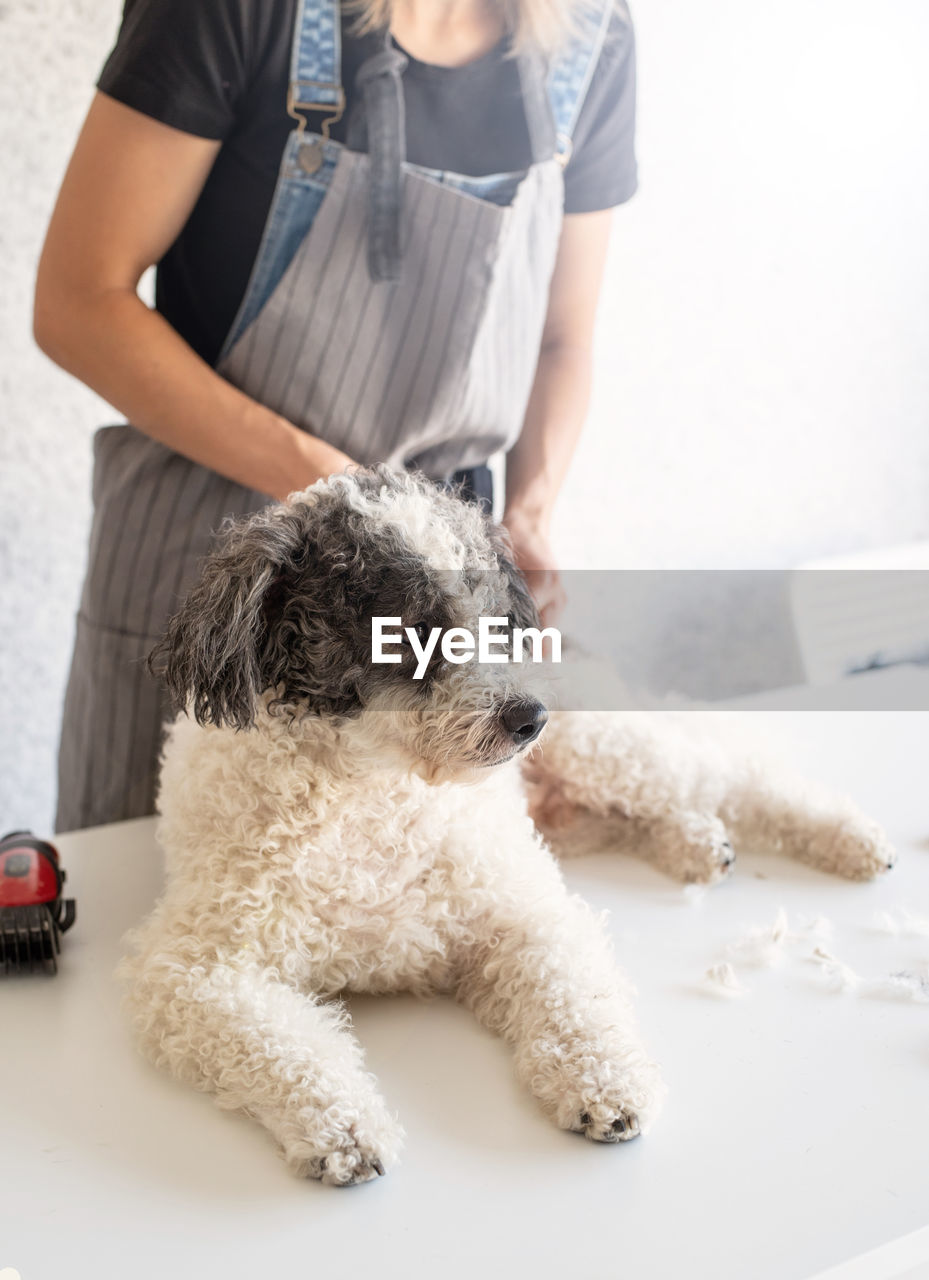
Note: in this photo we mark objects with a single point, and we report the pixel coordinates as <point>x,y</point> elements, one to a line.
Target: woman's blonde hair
<point>540,24</point>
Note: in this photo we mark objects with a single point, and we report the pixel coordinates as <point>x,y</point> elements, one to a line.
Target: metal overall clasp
<point>310,154</point>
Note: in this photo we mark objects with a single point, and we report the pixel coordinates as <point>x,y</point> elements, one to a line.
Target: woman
<point>379,237</point>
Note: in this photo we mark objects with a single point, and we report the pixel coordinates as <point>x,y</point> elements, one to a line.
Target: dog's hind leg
<point>629,782</point>
<point>687,845</point>
<point>682,790</point>
<point>545,979</point>
<point>772,811</point>
<point>264,1048</point>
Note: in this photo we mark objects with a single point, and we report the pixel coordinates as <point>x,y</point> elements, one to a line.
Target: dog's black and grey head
<point>281,619</point>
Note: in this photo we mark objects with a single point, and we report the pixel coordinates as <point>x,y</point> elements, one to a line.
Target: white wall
<point>762,386</point>
<point>763,371</point>
<point>763,374</point>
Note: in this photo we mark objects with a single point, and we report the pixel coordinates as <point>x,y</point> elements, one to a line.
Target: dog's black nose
<point>524,721</point>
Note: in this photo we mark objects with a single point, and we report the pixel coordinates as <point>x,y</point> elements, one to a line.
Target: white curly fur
<point>312,855</point>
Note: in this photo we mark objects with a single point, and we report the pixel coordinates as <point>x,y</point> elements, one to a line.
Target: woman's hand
<point>321,460</point>
<point>534,558</point>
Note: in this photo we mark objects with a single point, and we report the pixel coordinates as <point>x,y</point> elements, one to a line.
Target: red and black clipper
<point>33,914</point>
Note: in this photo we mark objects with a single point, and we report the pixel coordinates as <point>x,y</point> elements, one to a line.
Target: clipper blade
<point>29,939</point>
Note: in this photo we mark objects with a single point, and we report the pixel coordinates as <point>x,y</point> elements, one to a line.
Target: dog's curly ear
<point>210,656</point>
<point>522,608</point>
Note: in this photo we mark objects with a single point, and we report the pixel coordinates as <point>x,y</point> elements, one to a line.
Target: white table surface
<point>794,1137</point>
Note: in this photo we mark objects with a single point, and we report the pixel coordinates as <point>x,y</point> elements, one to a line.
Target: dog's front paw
<point>605,1123</point>
<point>620,1106</point>
<point>346,1168</point>
<point>610,1092</point>
<point>344,1154</point>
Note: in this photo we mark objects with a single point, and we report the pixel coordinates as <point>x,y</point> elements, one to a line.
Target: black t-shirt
<point>219,69</point>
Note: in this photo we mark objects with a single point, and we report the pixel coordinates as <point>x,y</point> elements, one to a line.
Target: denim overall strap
<point>316,62</point>
<point>540,120</point>
<point>572,70</point>
<point>316,85</point>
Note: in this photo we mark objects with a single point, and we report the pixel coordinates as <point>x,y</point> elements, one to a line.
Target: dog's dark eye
<point>422,630</point>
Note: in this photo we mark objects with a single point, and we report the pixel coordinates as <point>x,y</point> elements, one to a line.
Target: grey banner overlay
<point>811,639</point>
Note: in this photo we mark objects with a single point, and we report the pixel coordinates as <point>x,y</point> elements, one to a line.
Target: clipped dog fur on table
<point>331,825</point>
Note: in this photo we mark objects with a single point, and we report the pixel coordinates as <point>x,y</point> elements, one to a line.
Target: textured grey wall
<point>50,51</point>
<point>763,383</point>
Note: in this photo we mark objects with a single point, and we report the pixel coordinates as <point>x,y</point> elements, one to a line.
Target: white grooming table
<point>793,1141</point>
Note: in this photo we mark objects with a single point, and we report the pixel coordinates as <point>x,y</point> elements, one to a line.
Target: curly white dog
<point>334,825</point>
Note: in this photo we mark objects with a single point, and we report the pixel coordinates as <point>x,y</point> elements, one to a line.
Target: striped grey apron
<point>392,310</point>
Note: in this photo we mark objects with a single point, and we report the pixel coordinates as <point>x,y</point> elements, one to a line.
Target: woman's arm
<point>128,191</point>
<point>538,462</point>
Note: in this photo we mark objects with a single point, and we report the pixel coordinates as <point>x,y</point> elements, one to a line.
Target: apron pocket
<point>111,730</point>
